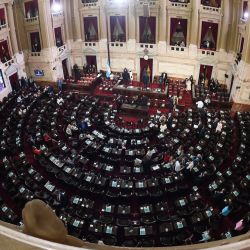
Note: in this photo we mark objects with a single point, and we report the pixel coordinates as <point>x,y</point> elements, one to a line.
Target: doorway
<point>91,60</point>
<point>148,66</point>
<point>205,73</point>
<point>65,69</point>
<point>14,81</point>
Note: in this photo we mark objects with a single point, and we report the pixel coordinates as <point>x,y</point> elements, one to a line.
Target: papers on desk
<point>108,230</point>
<point>167,180</point>
<point>140,185</point>
<point>76,223</point>
<point>108,209</point>
<point>142,231</point>
<point>114,183</point>
<point>49,186</point>
<point>236,193</point>
<point>179,224</point>
<point>88,178</point>
<point>4,208</point>
<point>182,202</point>
<point>208,213</point>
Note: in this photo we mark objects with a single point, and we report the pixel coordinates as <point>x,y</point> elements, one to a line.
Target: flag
<point>108,73</point>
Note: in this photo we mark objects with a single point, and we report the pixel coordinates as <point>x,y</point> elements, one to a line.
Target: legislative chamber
<point>124,124</point>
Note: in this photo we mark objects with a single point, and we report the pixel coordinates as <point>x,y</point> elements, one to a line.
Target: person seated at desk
<point>177,166</point>
<point>83,125</point>
<point>70,128</point>
<point>137,162</point>
<point>46,137</point>
<point>219,127</point>
<point>226,210</point>
<point>36,151</point>
<point>200,104</point>
<point>60,101</point>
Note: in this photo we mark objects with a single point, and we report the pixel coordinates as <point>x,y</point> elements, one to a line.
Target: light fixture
<point>56,7</point>
<point>246,14</point>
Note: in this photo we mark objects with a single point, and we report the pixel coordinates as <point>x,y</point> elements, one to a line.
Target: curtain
<point>31,8</point>
<point>2,17</point>
<point>35,42</point>
<point>145,64</point>
<point>58,36</point>
<point>178,30</point>
<point>118,28</point>
<point>147,28</point>
<point>90,29</point>
<point>54,1</point>
<point>209,32</point>
<point>4,51</point>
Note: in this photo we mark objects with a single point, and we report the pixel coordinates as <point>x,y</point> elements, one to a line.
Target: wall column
<point>246,49</point>
<point>225,23</point>
<point>68,20</point>
<point>103,26</point>
<point>162,21</point>
<point>11,23</point>
<point>194,22</point>
<point>46,31</point>
<point>77,21</point>
<point>236,14</point>
<point>131,20</point>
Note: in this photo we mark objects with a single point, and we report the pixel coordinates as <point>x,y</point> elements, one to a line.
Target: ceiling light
<point>56,7</point>
<point>246,15</point>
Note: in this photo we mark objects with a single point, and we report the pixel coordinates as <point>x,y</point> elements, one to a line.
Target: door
<point>91,60</point>
<point>14,81</point>
<point>65,68</point>
<point>205,73</point>
<point>148,65</point>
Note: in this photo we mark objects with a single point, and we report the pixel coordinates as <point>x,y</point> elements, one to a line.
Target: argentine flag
<point>108,73</point>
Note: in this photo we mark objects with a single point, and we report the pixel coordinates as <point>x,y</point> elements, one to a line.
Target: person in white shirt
<point>177,166</point>
<point>188,85</point>
<point>200,104</point>
<point>190,165</point>
<point>70,128</point>
<point>219,127</point>
<point>163,128</point>
<point>60,101</point>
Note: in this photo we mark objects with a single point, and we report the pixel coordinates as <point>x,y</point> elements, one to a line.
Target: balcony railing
<point>9,63</point>
<point>207,52</point>
<point>90,44</point>
<point>61,49</point>
<point>179,5</point>
<point>3,26</point>
<point>90,3</point>
<point>147,46</point>
<point>151,3</point>
<point>117,44</point>
<point>210,9</point>
<point>178,48</point>
<point>35,54</point>
<point>31,19</point>
<point>57,14</point>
